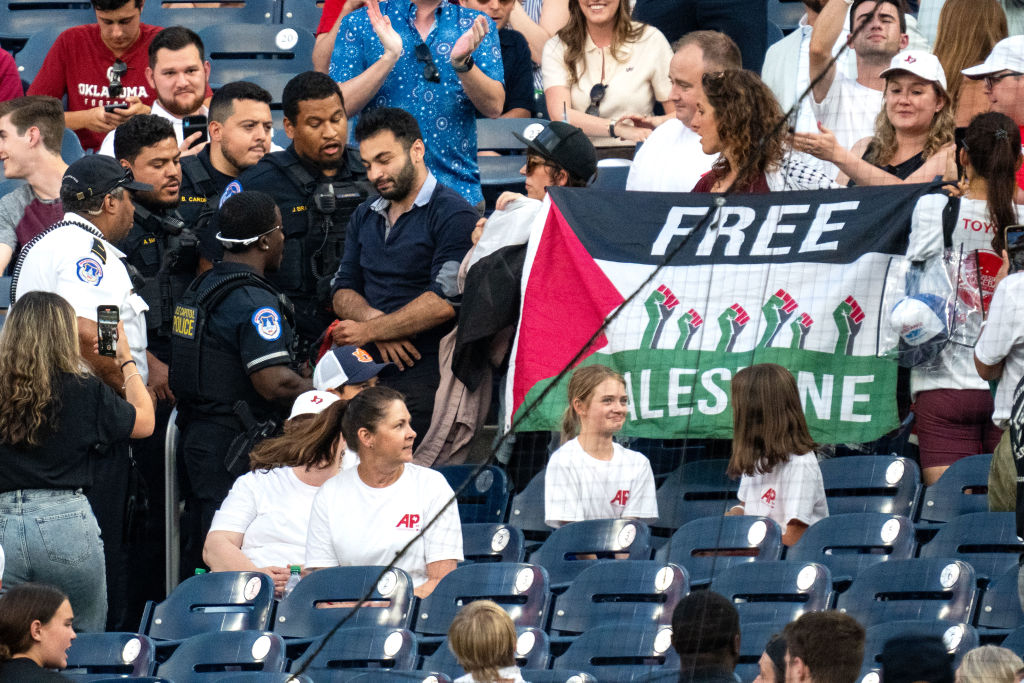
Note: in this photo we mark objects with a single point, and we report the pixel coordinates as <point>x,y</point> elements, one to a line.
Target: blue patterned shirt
<point>446,116</point>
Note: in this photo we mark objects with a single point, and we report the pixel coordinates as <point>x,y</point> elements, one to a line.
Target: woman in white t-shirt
<point>368,514</point>
<point>261,525</point>
<point>953,406</point>
<point>591,476</point>
<point>773,453</point>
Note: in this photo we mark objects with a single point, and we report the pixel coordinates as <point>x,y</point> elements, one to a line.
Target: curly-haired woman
<point>57,416</point>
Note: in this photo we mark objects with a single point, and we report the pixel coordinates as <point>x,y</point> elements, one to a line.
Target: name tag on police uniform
<point>184,322</point>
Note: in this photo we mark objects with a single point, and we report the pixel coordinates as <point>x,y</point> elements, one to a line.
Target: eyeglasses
<point>596,95</point>
<point>990,81</point>
<point>532,162</point>
<point>430,72</point>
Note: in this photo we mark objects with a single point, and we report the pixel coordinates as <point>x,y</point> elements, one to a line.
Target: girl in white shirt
<point>591,476</point>
<point>773,453</point>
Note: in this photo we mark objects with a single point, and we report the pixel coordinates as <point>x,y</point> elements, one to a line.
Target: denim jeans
<point>51,536</point>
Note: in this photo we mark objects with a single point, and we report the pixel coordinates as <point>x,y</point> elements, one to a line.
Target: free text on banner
<point>795,278</point>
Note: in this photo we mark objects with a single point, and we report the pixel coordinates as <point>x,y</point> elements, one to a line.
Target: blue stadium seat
<point>236,52</point>
<point>612,176</point>
<point>924,588</point>
<point>501,174</point>
<point>753,638</point>
<point>521,589</point>
<point>496,135</point>
<point>263,677</point>
<point>640,591</point>
<point>23,18</point>
<point>871,483</point>
<point>351,651</point>
<point>273,84</point>
<point>181,13</point>
<point>988,540</point>
<point>785,14</point>
<point>963,488</point>
<point>532,652</point>
<point>100,655</point>
<point>218,601</point>
<point>391,676</point>
<point>775,592</point>
<point>302,12</point>
<point>527,510</point>
<point>958,638</point>
<point>485,498</point>
<point>620,652</point>
<point>493,543</point>
<point>846,544</point>
<point>556,676</point>
<point>35,48</point>
<point>694,490</point>
<point>602,537</point>
<point>710,545</point>
<point>71,147</point>
<point>999,610</point>
<point>208,656</point>
<point>1015,642</point>
<point>299,617</point>
<point>666,455</point>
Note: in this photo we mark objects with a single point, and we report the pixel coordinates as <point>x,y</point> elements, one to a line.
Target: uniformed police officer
<point>240,129</point>
<point>318,183</point>
<point>232,358</point>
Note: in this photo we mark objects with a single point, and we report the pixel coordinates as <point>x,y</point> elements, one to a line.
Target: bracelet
<point>126,363</point>
<point>134,374</point>
<point>611,128</point>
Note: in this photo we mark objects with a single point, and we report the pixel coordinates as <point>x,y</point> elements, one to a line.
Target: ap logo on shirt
<point>410,521</point>
<point>267,322</point>
<point>768,498</point>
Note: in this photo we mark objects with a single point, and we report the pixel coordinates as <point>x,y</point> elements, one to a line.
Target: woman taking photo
<point>739,119</point>
<point>367,514</point>
<point>602,67</point>
<point>35,633</point>
<point>56,417</point>
<point>913,139</point>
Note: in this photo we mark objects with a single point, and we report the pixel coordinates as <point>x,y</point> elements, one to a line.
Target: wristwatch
<point>466,65</point>
<point>611,128</point>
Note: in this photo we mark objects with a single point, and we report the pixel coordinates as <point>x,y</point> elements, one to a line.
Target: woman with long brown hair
<point>56,418</point>
<point>604,68</point>
<point>968,30</point>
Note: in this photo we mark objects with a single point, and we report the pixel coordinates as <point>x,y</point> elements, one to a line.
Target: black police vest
<point>201,372</point>
<point>199,194</point>
<point>309,265</point>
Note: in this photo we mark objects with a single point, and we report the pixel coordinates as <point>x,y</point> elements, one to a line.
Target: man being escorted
<point>396,285</point>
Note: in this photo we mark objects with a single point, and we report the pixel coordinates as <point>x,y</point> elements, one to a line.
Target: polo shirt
<point>421,252</point>
<point>446,116</point>
<point>518,69</point>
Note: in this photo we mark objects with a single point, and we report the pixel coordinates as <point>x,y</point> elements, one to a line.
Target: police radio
<point>324,199</point>
<point>170,223</point>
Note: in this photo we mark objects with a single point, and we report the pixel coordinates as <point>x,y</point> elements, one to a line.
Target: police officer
<point>240,130</point>
<point>232,358</point>
<point>318,183</point>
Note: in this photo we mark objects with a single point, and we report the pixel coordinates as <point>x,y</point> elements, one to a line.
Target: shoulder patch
<point>233,188</point>
<point>184,322</point>
<point>267,322</point>
<point>99,250</point>
<point>89,271</point>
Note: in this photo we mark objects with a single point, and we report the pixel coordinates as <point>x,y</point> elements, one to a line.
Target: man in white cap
<point>1002,71</point>
<point>344,371</point>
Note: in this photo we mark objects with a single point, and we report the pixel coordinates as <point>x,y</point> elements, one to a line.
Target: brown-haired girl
<point>591,476</point>
<point>773,453</point>
<point>35,632</point>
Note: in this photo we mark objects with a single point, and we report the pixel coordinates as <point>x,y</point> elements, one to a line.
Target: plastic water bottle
<point>200,570</point>
<point>293,580</point>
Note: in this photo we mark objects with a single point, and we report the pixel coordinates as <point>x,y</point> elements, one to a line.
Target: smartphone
<point>110,108</point>
<point>1015,247</point>
<point>106,324</point>
<point>194,124</point>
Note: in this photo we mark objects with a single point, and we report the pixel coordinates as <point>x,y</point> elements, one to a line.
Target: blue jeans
<point>51,536</point>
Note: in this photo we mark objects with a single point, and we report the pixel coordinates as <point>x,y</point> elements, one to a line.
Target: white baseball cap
<point>920,63</point>
<point>312,402</point>
<point>1007,55</point>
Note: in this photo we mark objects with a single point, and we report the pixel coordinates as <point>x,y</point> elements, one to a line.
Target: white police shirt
<point>76,262</point>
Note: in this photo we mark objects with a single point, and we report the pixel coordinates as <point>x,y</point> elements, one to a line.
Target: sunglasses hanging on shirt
<point>430,72</point>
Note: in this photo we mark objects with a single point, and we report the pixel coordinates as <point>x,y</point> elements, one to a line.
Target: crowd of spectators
<point>251,281</point>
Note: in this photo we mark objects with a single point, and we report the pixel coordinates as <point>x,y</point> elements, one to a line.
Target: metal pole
<point>172,522</point>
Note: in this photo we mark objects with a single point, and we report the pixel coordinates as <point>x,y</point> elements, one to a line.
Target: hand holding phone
<point>1015,247</point>
<point>111,108</point>
<point>107,318</point>
<point>194,124</point>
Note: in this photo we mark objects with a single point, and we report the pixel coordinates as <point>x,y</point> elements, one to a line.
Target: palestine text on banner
<point>795,278</point>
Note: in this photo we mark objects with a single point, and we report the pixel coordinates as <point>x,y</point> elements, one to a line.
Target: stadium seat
<point>501,174</point>
<point>493,543</point>
<point>846,544</point>
<point>556,676</point>
<point>351,651</point>
<point>273,84</point>
<point>924,588</point>
<point>264,677</point>
<point>640,591</point>
<point>620,652</point>
<point>236,52</point>
<point>999,610</point>
<point>23,18</point>
<point>496,135</point>
<point>110,654</point>
<point>532,652</point>
<point>71,147</point>
<point>753,638</point>
<point>208,656</point>
<point>988,540</point>
<point>390,676</point>
<point>694,490</point>
<point>871,483</point>
<point>485,498</point>
<point>963,488</point>
<point>35,48</point>
<point>785,14</point>
<point>612,176</point>
<point>527,510</point>
<point>604,538</point>
<point>218,601</point>
<point>521,589</point>
<point>775,592</point>
<point>710,545</point>
<point>182,13</point>
<point>666,455</point>
<point>299,617</point>
<point>1015,642</point>
<point>958,638</point>
<point>302,12</point>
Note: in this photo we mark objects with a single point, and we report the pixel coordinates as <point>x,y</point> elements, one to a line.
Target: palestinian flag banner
<point>794,278</point>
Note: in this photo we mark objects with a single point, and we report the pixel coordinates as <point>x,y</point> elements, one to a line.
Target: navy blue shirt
<point>515,58</point>
<point>421,252</point>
